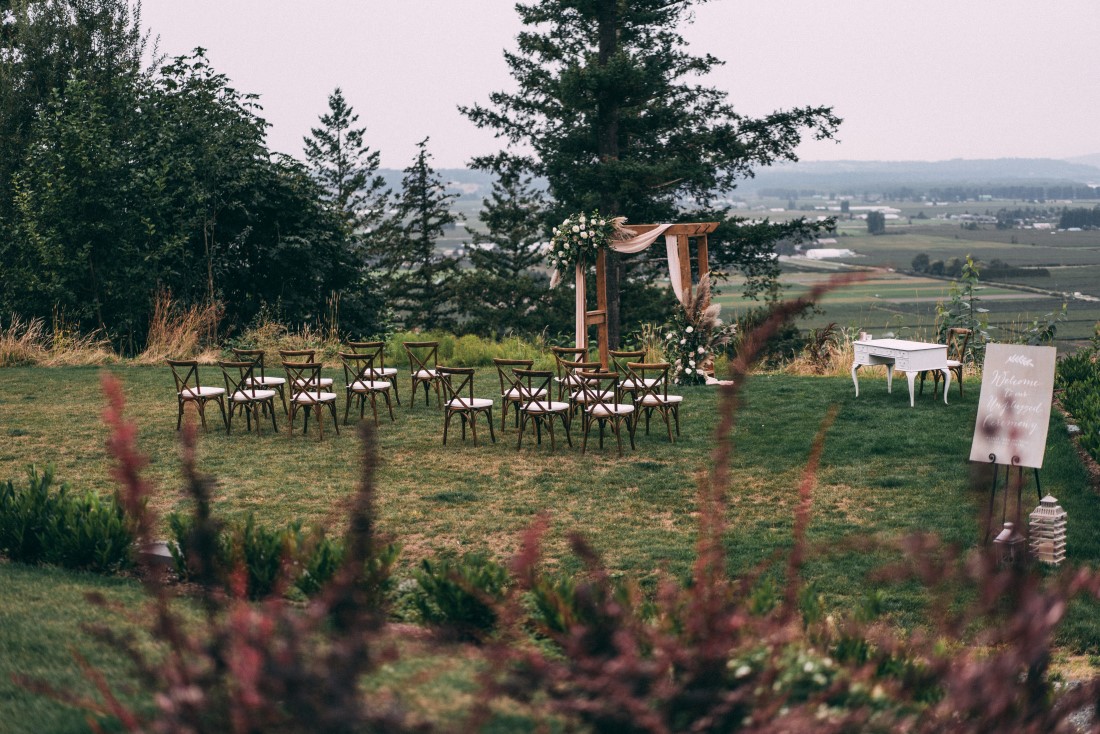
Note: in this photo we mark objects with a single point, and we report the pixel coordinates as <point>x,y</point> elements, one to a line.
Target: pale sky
<point>929,80</point>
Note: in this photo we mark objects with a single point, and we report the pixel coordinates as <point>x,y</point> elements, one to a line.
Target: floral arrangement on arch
<point>580,237</point>
<point>693,335</point>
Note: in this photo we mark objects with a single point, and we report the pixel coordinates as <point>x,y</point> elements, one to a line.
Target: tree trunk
<point>608,114</point>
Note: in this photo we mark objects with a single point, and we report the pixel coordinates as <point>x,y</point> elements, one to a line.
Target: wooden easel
<point>683,234</point>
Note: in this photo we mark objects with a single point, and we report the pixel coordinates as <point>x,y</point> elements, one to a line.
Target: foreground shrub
<point>43,524</point>
<point>461,595</point>
<point>272,561</point>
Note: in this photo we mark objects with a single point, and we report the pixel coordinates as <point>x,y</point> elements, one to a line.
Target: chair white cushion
<point>190,393</point>
<point>544,406</point>
<point>604,409</point>
<point>568,380</point>
<point>425,374</point>
<point>954,363</point>
<point>324,382</point>
<point>360,386</point>
<point>245,396</point>
<point>631,384</point>
<point>460,403</point>
<point>524,393</point>
<point>658,400</point>
<point>267,380</point>
<point>314,397</point>
<point>383,372</point>
<point>581,397</point>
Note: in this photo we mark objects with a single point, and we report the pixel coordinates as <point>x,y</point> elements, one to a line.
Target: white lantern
<point>1006,544</point>
<point>1048,531</point>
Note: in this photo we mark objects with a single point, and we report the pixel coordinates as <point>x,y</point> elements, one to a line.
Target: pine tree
<point>604,106</point>
<point>346,168</point>
<point>503,292</point>
<point>419,280</point>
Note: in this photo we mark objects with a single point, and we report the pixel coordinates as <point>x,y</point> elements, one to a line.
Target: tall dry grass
<point>29,342</point>
<point>178,332</point>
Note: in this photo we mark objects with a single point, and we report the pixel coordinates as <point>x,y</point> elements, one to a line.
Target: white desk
<point>898,354</point>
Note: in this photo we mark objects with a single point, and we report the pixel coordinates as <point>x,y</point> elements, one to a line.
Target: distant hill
<point>856,176</point>
<point>1088,160</point>
<point>875,175</point>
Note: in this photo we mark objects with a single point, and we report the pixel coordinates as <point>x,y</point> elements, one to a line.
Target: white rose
<point>555,230</point>
<point>688,370</point>
<point>701,350</point>
<point>576,228</point>
<point>669,336</point>
<point>691,362</point>
<point>689,329</point>
<point>683,341</point>
<point>584,235</point>
<point>599,222</point>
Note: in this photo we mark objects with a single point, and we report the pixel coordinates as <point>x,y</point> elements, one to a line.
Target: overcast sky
<point>927,80</point>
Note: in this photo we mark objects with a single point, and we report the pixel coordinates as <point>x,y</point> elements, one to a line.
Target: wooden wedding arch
<point>681,234</point>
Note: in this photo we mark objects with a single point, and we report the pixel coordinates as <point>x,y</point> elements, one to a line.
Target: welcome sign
<point>1014,407</point>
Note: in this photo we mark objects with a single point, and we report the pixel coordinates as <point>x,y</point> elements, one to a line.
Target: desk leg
<point>911,376</point>
<point>946,383</point>
<point>855,380</point>
<point>889,377</point>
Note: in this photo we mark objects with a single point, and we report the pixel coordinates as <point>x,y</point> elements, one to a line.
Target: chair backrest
<point>573,369</point>
<point>357,367</point>
<point>300,356</point>
<point>377,350</point>
<point>189,380</point>
<point>251,355</point>
<point>422,355</point>
<point>649,378</point>
<point>957,339</point>
<point>599,388</point>
<point>567,354</point>
<point>620,357</point>
<point>303,377</point>
<point>462,395</point>
<point>533,383</point>
<point>505,369</point>
<point>238,377</point>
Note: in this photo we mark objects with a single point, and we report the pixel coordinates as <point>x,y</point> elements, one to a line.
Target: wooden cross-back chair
<point>512,391</point>
<point>246,395</point>
<point>307,356</point>
<point>601,406</point>
<point>303,377</point>
<point>652,394</point>
<point>620,358</point>
<point>565,380</point>
<point>362,379</point>
<point>263,380</point>
<point>423,368</point>
<point>957,340</point>
<point>189,389</point>
<point>537,407</point>
<point>577,398</point>
<point>381,371</point>
<point>458,386</point>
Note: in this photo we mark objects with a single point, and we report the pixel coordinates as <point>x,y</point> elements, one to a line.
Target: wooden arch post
<point>683,234</point>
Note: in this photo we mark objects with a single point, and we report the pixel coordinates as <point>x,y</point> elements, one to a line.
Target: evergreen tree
<point>504,292</point>
<point>346,168</point>
<point>419,280</point>
<point>604,105</point>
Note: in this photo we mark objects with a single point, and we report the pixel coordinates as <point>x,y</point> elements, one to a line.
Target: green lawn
<point>887,470</point>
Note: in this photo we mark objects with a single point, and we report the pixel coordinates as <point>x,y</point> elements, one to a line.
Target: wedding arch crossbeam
<point>677,239</point>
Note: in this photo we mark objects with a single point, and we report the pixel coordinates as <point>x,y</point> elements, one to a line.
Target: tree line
<point>126,178</point>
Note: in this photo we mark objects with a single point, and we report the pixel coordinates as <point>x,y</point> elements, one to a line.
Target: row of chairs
<point>598,395</point>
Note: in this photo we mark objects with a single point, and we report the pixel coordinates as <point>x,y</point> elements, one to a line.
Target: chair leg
<point>335,423</point>
<point>273,426</point>
<point>395,391</point>
<point>584,443</point>
<point>473,425</point>
<point>229,422</point>
<point>282,396</point>
<point>676,415</point>
<point>202,412</point>
<point>616,425</point>
<point>522,426</point>
<point>565,423</point>
<point>347,405</point>
<point>179,416</point>
<point>489,415</point>
<point>390,404</point>
<point>374,407</point>
<point>446,425</point>
<point>221,407</point>
<point>668,424</point>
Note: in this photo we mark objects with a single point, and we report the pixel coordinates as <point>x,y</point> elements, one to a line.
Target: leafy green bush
<point>1079,380</point>
<point>460,595</point>
<point>268,557</point>
<point>82,531</point>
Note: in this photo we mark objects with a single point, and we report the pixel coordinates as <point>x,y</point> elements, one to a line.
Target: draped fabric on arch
<point>630,247</point>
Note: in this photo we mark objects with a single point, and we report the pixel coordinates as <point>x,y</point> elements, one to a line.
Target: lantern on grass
<point>1009,544</point>
<point>1048,531</point>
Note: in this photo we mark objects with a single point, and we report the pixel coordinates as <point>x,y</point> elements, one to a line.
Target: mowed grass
<point>887,470</point>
